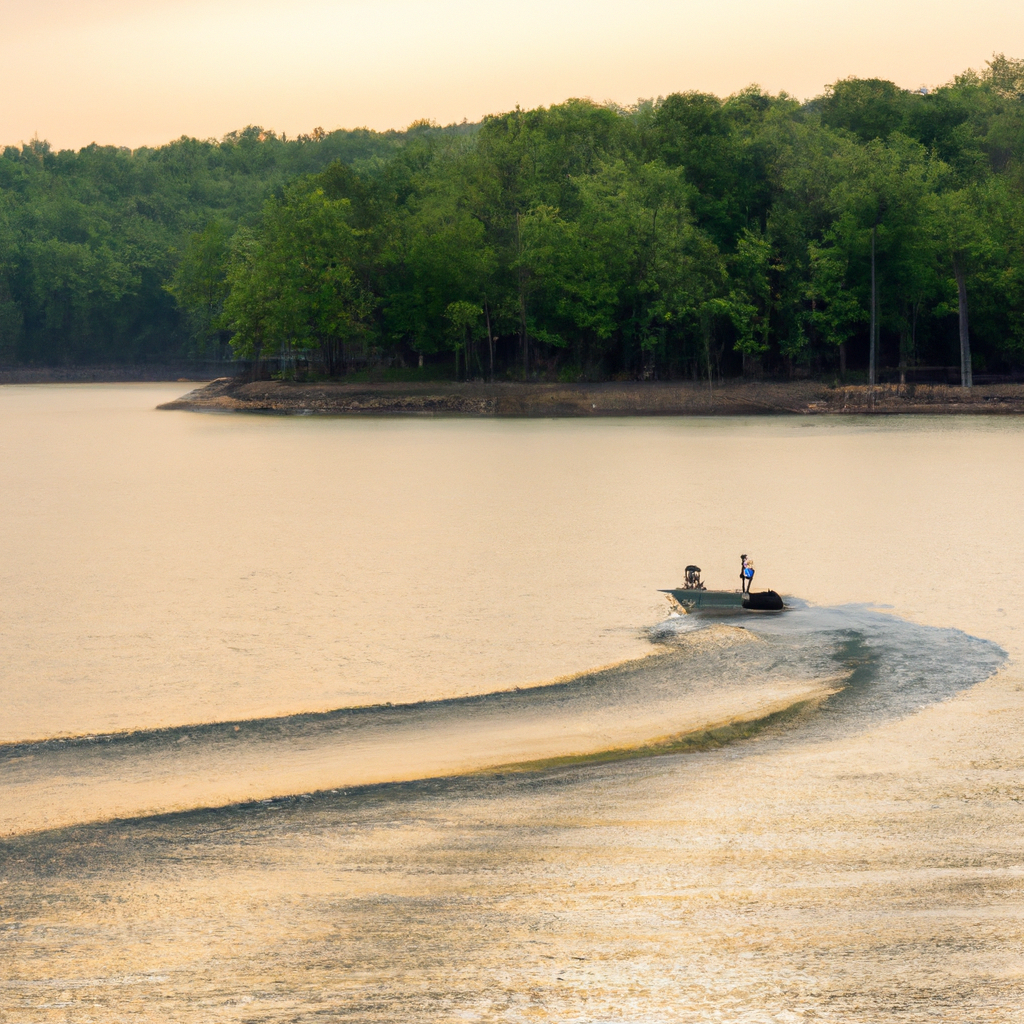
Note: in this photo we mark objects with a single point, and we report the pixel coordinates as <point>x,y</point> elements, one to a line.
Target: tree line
<point>868,230</point>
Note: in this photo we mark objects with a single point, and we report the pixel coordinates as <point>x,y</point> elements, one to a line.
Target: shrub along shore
<point>675,398</point>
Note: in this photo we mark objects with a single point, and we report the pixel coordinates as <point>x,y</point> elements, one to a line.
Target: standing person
<point>746,573</point>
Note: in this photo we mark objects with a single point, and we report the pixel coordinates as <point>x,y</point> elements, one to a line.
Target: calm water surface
<point>201,610</point>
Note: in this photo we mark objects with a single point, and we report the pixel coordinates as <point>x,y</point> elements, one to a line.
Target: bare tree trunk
<point>913,335</point>
<point>842,360</point>
<point>966,373</point>
<point>706,331</point>
<point>257,352</point>
<point>872,344</point>
<point>490,337</point>
<point>524,339</point>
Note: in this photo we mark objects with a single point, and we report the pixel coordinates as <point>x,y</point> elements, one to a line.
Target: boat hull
<point>727,600</point>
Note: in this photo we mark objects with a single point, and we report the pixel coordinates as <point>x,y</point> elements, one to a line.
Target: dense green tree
<point>199,284</point>
<point>870,229</point>
<point>293,285</point>
<point>869,108</point>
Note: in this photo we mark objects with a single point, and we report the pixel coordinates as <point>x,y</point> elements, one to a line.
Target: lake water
<point>269,686</point>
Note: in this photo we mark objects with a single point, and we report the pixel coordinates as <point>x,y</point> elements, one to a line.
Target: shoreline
<point>627,398</point>
<point>120,373</point>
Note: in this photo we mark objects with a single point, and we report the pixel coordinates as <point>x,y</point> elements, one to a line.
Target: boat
<point>694,596</point>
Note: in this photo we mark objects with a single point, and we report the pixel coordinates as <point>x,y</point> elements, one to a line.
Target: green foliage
<point>687,235</point>
<point>836,310</point>
<point>199,284</point>
<point>292,281</point>
<point>108,254</point>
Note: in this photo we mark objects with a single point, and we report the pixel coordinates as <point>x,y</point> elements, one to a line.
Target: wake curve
<point>855,664</point>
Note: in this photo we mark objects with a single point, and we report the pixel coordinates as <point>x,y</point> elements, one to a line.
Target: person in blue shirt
<point>746,573</point>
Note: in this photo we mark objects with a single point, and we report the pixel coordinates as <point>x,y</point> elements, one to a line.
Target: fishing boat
<point>693,596</point>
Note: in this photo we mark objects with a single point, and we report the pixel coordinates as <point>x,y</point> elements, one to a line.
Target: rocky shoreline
<point>674,398</point>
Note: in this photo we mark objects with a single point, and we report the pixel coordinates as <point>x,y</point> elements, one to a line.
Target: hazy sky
<point>141,72</point>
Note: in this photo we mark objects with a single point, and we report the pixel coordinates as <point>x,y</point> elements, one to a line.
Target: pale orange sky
<point>144,72</point>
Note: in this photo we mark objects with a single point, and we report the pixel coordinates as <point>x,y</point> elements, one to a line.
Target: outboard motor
<point>693,578</point>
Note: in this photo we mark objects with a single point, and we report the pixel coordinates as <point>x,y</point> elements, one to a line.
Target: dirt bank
<point>676,398</point>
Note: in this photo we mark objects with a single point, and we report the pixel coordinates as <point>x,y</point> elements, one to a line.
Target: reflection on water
<point>246,608</point>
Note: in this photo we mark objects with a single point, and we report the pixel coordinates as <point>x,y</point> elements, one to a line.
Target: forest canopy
<point>684,236</point>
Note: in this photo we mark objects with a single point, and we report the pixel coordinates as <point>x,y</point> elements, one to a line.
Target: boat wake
<point>825,671</point>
